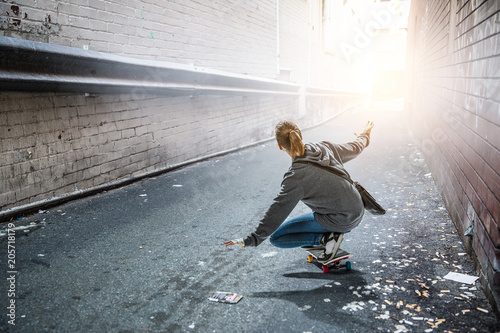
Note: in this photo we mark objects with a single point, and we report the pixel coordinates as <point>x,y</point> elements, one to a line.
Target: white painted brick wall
<point>44,154</point>
<point>233,35</point>
<point>53,144</point>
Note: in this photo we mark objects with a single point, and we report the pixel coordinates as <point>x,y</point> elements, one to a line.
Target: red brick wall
<point>454,105</point>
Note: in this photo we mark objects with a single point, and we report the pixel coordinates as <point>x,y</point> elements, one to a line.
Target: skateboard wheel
<point>348,265</point>
<point>310,258</point>
<point>325,269</point>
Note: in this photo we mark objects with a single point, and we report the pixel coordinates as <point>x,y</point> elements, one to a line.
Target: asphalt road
<point>146,257</point>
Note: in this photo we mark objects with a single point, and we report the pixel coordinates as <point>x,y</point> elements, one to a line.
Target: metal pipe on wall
<point>33,66</point>
<point>278,70</point>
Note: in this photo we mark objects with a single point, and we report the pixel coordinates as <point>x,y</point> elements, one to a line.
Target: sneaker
<point>331,241</point>
<point>326,258</point>
<point>326,237</point>
<point>339,253</point>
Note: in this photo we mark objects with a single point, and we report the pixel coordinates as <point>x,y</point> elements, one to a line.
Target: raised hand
<point>366,129</point>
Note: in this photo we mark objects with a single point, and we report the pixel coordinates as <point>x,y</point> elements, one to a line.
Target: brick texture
<point>56,144</point>
<point>235,36</point>
<point>455,113</point>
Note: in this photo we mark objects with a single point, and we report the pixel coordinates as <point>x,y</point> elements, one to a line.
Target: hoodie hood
<point>317,153</point>
<point>320,153</point>
<point>323,153</point>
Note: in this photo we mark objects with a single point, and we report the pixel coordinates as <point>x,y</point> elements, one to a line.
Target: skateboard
<point>335,263</point>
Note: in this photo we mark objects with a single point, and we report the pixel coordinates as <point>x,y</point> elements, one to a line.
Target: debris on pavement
<point>225,297</point>
<point>22,230</point>
<point>409,288</point>
<point>462,278</point>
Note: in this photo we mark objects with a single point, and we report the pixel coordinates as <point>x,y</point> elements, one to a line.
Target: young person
<point>336,205</point>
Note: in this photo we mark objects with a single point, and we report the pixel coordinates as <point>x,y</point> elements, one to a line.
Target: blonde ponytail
<point>289,137</point>
<point>296,144</point>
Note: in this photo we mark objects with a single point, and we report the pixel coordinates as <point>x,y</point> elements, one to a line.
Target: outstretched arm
<point>347,151</point>
<point>290,194</point>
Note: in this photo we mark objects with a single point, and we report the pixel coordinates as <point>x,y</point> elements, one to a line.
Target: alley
<point>146,257</point>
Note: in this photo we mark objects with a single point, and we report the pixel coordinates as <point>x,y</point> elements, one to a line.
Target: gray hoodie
<point>336,204</point>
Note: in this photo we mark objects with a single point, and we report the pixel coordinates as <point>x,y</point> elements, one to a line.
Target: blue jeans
<point>302,230</point>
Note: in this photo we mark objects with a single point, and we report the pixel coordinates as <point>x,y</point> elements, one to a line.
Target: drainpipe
<point>302,91</point>
<point>277,37</point>
<point>309,45</point>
